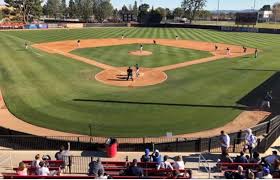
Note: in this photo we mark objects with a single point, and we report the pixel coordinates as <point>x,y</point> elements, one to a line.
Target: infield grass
<point>162,55</point>
<point>40,88</point>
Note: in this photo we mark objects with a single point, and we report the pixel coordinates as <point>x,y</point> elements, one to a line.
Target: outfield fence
<point>21,141</point>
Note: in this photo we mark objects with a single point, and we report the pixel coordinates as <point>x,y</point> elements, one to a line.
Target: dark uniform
<point>129,74</point>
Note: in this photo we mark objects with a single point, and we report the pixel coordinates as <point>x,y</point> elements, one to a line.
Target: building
<point>264,16</point>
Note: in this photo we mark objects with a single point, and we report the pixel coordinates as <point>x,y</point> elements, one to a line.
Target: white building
<point>265,16</point>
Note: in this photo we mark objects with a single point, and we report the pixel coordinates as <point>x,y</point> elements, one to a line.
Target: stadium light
<point>218,11</point>
<point>254,5</point>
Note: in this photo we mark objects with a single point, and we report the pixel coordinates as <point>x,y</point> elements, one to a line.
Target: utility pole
<point>218,12</point>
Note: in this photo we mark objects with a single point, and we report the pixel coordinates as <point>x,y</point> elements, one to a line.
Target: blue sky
<point>211,5</point>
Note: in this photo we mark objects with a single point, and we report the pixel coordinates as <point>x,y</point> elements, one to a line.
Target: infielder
<point>141,48</point>
<point>78,43</point>
<point>137,70</point>
<point>244,49</point>
<point>256,53</point>
<point>216,48</point>
<point>155,42</point>
<point>26,45</point>
<point>228,52</point>
<point>177,37</point>
<point>122,36</point>
<point>129,74</point>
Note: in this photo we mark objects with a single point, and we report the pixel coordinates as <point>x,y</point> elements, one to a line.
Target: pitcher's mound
<point>140,53</point>
<point>118,77</point>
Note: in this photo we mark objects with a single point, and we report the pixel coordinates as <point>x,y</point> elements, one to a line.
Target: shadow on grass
<point>161,104</point>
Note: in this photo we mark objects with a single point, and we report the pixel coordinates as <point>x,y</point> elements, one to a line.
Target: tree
<point>143,13</point>
<point>192,7</point>
<point>71,9</point>
<point>86,9</point>
<point>53,8</point>
<point>276,11</point>
<point>103,10</point>
<point>135,9</point>
<point>27,9</point>
<point>178,12</point>
<point>169,14</point>
<point>204,14</point>
<point>161,11</point>
<point>154,16</point>
<point>266,8</point>
<point>124,9</point>
<point>63,8</point>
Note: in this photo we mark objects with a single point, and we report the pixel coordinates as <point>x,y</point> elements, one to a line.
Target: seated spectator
<point>62,152</point>
<point>165,164</point>
<point>256,158</point>
<point>35,163</point>
<point>146,157</point>
<point>250,174</point>
<point>266,174</point>
<point>46,158</point>
<point>179,163</point>
<point>239,174</point>
<point>241,158</point>
<point>44,170</point>
<point>225,158</point>
<point>271,159</point>
<point>101,175</point>
<point>134,170</point>
<point>156,157</point>
<point>22,170</point>
<point>95,167</point>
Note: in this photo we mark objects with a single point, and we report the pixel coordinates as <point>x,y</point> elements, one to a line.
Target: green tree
<point>161,11</point>
<point>71,9</point>
<point>103,10</point>
<point>27,9</point>
<point>276,12</point>
<point>135,9</point>
<point>53,8</point>
<point>86,9</point>
<point>63,8</point>
<point>178,12</point>
<point>143,13</point>
<point>192,7</point>
<point>266,8</point>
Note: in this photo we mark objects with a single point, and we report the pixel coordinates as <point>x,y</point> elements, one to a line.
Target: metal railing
<point>201,162</point>
<point>18,141</point>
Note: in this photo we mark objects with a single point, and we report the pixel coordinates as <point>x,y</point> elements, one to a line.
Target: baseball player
<point>155,42</point>
<point>122,36</point>
<point>256,53</point>
<point>78,43</point>
<point>137,70</point>
<point>141,48</point>
<point>228,52</point>
<point>244,49</point>
<point>129,74</point>
<point>216,48</point>
<point>267,99</point>
<point>26,45</point>
<point>177,37</point>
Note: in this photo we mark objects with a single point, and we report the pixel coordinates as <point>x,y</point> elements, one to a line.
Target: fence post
<point>70,164</point>
<point>268,127</point>
<point>177,140</point>
<point>233,149</point>
<point>239,137</point>
<point>209,145</point>
<point>198,145</point>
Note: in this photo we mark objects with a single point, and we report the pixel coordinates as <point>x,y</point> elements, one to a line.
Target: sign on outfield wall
<point>239,29</point>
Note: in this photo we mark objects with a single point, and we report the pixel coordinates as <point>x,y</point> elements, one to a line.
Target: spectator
<point>251,174</point>
<point>35,163</point>
<point>251,141</point>
<point>165,164</point>
<point>256,158</point>
<point>239,174</point>
<point>146,157</point>
<point>44,170</point>
<point>241,158</point>
<point>271,159</point>
<point>156,157</point>
<point>266,173</point>
<point>179,163</point>
<point>62,152</point>
<point>225,158</point>
<point>225,142</point>
<point>95,167</point>
<point>276,165</point>
<point>22,170</point>
<point>134,170</point>
<point>100,175</point>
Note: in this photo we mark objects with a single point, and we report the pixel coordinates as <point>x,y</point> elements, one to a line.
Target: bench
<point>125,164</point>
<point>32,170</point>
<point>234,166</point>
<point>52,163</point>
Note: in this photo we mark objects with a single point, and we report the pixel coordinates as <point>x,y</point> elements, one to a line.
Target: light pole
<point>218,12</point>
<point>254,5</point>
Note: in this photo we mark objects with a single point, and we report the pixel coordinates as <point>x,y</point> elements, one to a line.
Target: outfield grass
<point>162,55</point>
<point>39,87</point>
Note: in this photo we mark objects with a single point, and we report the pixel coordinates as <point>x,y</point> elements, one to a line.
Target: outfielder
<point>256,53</point>
<point>141,48</point>
<point>26,45</point>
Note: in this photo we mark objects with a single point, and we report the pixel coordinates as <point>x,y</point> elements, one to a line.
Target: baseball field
<point>53,88</point>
